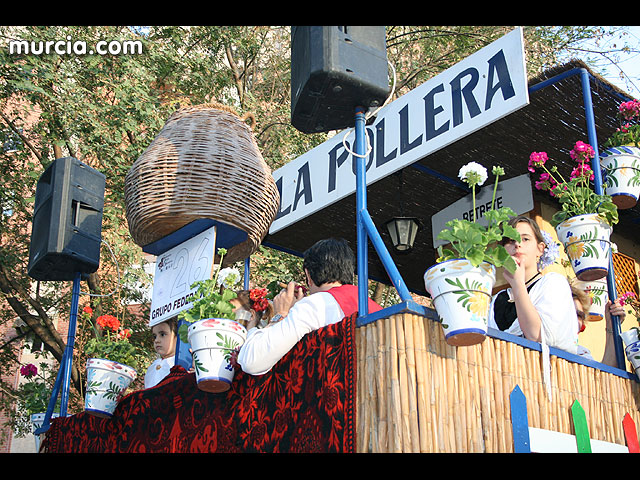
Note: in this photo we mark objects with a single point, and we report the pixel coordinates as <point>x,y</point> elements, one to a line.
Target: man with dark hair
<point>329,266</point>
<point>330,260</point>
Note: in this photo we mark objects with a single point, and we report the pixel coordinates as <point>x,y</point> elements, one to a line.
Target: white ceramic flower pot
<point>586,243</point>
<point>106,384</point>
<point>629,337</point>
<point>599,294</point>
<point>461,295</point>
<point>212,340</point>
<point>633,355</point>
<point>622,175</point>
<point>37,419</point>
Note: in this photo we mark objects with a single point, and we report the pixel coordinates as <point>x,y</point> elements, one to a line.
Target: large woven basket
<point>204,164</point>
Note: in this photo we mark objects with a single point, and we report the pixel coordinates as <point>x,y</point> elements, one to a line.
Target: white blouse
<point>551,296</point>
<point>264,347</point>
<point>159,369</point>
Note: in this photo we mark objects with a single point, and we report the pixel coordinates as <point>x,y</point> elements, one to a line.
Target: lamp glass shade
<point>403,232</point>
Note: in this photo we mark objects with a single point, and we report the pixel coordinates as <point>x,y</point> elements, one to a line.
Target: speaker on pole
<point>333,71</point>
<point>67,221</point>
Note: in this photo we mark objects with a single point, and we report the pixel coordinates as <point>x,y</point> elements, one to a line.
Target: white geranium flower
<point>228,277</point>
<point>473,173</point>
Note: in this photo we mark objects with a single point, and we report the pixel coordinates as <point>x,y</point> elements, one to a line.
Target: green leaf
<point>510,232</point>
<point>475,255</point>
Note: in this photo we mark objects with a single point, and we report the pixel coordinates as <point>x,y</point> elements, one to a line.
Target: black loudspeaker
<point>333,71</point>
<point>67,221</point>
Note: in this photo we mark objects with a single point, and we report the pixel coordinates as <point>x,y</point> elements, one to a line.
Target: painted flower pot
<point>630,337</point>
<point>599,294</point>
<point>37,419</point>
<point>622,174</point>
<point>633,355</point>
<point>461,296</point>
<point>586,242</point>
<point>212,341</point>
<point>106,384</point>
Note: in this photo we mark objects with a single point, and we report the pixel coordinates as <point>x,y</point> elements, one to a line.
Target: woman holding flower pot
<point>536,306</point>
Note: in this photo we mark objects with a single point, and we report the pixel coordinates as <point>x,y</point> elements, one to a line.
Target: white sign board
<point>176,270</point>
<point>514,193</point>
<point>547,441</point>
<point>477,91</point>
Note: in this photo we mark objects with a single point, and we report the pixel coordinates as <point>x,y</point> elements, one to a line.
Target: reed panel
<point>421,395</point>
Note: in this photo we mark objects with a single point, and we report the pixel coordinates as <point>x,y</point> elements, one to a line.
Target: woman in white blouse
<point>536,306</point>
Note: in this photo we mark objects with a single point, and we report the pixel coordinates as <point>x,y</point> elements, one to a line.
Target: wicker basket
<point>204,164</point>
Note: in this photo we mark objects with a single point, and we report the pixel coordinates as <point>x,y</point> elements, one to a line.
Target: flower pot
<point>629,337</point>
<point>461,295</point>
<point>106,384</point>
<point>622,171</point>
<point>37,420</point>
<point>633,355</point>
<point>586,242</point>
<point>599,294</point>
<point>212,340</point>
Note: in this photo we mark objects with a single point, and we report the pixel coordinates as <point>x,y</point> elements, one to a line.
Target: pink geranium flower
<point>537,160</point>
<point>29,370</point>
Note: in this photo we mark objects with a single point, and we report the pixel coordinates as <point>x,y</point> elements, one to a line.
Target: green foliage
<point>212,298</point>
<point>120,351</point>
<point>478,243</point>
<point>579,200</point>
<point>32,396</point>
<point>576,196</point>
<point>473,241</point>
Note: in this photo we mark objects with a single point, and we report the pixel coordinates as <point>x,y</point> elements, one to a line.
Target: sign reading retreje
<point>479,90</point>
<point>514,193</point>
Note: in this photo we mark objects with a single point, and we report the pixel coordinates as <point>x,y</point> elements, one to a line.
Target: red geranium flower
<point>108,321</point>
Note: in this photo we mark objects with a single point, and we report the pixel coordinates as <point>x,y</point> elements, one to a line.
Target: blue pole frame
<point>366,229</point>
<point>597,171</point>
<point>63,380</point>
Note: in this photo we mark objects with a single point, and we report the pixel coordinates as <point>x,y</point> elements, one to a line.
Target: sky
<point>629,63</point>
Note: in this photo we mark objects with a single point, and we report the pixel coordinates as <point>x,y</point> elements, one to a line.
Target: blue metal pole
<point>247,272</point>
<point>71,337</point>
<point>361,205</point>
<point>597,175</point>
<point>383,253</point>
<point>63,380</point>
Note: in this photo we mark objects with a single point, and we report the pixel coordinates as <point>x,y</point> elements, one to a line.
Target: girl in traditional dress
<point>536,306</point>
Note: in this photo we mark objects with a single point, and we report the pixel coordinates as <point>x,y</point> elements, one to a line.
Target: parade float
<point>389,381</point>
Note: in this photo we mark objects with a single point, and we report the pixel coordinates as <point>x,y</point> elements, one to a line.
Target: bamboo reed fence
<point>416,393</point>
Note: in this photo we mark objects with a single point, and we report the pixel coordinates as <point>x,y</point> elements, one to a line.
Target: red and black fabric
<point>306,403</point>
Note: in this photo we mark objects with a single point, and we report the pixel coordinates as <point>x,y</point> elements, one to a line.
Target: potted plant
<point>32,400</point>
<point>111,366</point>
<point>461,281</point>
<point>211,330</point>
<point>621,158</point>
<point>585,220</point>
